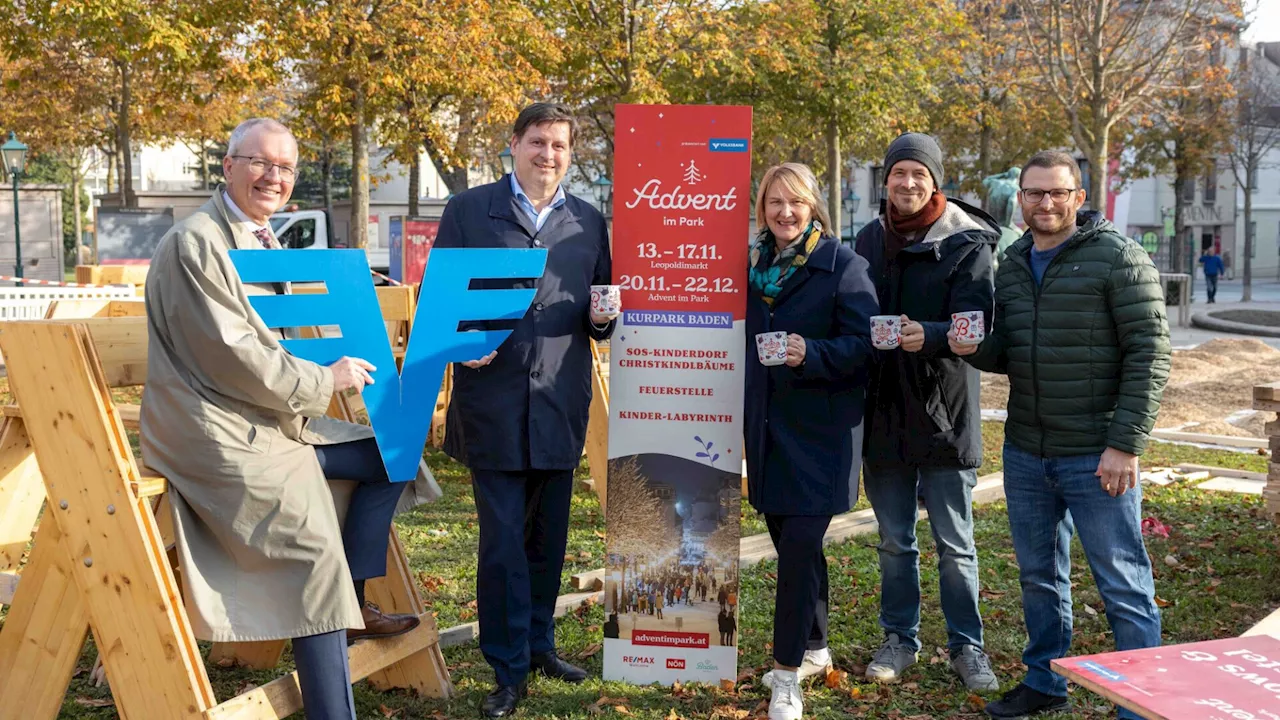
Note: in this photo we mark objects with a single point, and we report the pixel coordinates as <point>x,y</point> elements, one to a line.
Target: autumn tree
<point>1102,61</point>
<point>990,116</point>
<point>627,51</point>
<point>136,49</point>
<point>845,76</point>
<point>449,102</point>
<point>1255,131</point>
<point>634,516</point>
<point>1181,131</point>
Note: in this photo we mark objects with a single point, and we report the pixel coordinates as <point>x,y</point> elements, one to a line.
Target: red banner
<point>1233,678</point>
<point>668,638</point>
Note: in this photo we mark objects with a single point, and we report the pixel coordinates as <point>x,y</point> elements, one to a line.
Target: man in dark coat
<point>518,418</point>
<point>1084,340</point>
<point>930,256</point>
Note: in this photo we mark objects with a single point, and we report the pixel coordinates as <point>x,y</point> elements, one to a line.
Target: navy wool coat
<point>527,410</point>
<point>804,425</point>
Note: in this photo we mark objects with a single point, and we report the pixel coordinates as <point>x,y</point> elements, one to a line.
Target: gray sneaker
<point>973,666</point>
<point>890,660</point>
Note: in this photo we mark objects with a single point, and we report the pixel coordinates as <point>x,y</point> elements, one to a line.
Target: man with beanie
<point>930,256</point>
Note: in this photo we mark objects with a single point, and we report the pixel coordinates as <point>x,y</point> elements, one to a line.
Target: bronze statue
<point>1002,194</point>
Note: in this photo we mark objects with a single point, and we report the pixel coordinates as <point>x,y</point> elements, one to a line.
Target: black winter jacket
<point>923,408</point>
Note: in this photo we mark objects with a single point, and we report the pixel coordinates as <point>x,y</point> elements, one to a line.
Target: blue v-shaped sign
<point>400,404</point>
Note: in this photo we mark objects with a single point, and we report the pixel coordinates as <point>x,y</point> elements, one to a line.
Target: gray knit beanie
<point>919,147</point>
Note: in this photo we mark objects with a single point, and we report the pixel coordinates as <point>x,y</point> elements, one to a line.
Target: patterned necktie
<point>264,237</point>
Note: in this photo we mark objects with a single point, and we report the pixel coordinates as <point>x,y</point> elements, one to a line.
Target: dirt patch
<point>1207,385</point>
<point>1267,318</point>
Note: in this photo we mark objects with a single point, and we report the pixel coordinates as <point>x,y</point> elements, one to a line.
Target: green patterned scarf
<point>770,269</point>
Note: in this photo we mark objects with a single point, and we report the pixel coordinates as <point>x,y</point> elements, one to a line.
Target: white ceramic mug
<point>606,299</point>
<point>969,327</point>
<point>886,331</point>
<point>771,347</point>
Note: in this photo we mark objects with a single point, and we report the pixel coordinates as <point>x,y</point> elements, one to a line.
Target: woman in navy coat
<point>803,417</point>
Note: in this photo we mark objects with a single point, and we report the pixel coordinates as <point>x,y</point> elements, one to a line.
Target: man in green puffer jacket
<point>1080,330</point>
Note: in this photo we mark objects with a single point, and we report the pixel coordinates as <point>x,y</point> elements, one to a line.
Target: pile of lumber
<point>1267,399</point>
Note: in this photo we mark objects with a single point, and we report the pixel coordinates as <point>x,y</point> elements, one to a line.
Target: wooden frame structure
<point>99,560</point>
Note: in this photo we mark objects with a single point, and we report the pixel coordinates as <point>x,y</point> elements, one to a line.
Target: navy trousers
<point>323,672</point>
<point>524,527</point>
<point>800,605</point>
<point>373,503</point>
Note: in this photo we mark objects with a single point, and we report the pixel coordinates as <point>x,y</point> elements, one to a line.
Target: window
<point>1188,190</point>
<point>300,235</point>
<point>1253,179</point>
<point>877,188</point>
<point>1211,186</point>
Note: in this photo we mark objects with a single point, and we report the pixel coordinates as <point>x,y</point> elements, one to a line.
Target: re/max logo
<point>400,404</point>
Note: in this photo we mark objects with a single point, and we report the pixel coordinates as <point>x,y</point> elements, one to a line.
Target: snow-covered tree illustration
<point>634,517</point>
<point>692,175</point>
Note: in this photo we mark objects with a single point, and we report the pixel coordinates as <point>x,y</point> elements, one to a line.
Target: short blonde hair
<point>801,182</point>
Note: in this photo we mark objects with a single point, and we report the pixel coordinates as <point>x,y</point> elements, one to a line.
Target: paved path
<point>1266,296</point>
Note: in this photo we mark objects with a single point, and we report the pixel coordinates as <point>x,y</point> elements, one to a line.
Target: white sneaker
<point>786,703</point>
<point>816,662</point>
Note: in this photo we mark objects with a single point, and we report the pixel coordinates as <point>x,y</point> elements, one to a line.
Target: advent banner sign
<point>682,205</point>
<point>1234,678</point>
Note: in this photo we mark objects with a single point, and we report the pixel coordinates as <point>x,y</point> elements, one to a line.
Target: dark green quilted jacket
<point>1087,351</point>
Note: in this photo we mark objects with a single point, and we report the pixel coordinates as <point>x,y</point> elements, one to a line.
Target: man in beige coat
<point>237,425</point>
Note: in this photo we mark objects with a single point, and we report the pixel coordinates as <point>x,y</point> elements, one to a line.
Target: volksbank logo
<point>727,145</point>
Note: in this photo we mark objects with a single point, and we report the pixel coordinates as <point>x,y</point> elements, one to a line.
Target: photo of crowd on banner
<point>672,550</point>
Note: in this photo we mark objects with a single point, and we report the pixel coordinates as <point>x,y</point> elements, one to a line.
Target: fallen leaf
<point>388,712</point>
<point>976,702</point>
<point>855,693</point>
<point>835,678</point>
<point>593,628</point>
<point>1089,609</point>
<point>95,702</point>
<point>621,709</point>
<point>990,594</point>
<point>588,651</point>
<point>677,689</point>
<point>673,716</point>
<point>911,686</point>
<point>1162,603</point>
<point>727,685</point>
<point>584,555</point>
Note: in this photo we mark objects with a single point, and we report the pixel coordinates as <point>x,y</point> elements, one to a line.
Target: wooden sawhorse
<point>99,562</point>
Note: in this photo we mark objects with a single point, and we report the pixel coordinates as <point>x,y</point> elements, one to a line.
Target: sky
<point>1265,21</point>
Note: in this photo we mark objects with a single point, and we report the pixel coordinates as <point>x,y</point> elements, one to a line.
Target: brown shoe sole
<point>351,639</point>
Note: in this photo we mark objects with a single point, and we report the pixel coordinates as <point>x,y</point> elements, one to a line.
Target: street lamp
<point>602,188</point>
<point>508,162</point>
<point>850,202</point>
<point>14,154</point>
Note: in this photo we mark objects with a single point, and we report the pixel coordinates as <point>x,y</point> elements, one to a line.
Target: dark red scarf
<point>898,226</point>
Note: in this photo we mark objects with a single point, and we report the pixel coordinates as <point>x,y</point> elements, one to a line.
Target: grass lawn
<point>1225,580</point>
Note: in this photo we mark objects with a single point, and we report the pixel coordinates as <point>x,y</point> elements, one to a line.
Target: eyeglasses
<point>262,166</point>
<point>1058,195</point>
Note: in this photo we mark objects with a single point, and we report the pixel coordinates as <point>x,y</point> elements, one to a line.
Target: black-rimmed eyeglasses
<point>1035,195</point>
<point>262,166</point>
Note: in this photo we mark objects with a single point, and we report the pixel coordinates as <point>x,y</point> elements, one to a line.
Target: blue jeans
<point>1047,497</point>
<point>948,496</point>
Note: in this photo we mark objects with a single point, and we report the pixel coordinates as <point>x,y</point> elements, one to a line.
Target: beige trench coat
<point>230,417</point>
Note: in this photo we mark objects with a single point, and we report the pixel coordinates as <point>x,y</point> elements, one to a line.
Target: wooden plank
<point>1266,405</point>
<point>590,580</point>
<point>149,484</point>
<point>21,492</point>
<point>43,633</point>
<point>1232,485</point>
<point>255,655</point>
<point>282,697</point>
<point>130,415</point>
<point>466,632</point>
<point>1270,391</point>
<point>424,671</point>
<point>1271,427</point>
<point>147,646</point>
<point>1200,438</point>
<point>598,428</point>
<point>1221,472</point>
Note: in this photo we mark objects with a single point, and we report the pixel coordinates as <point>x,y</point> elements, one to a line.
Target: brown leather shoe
<point>380,625</point>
